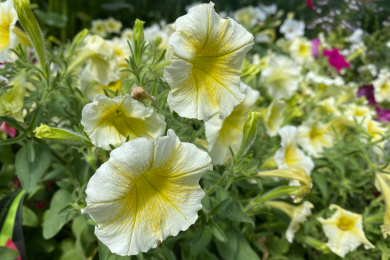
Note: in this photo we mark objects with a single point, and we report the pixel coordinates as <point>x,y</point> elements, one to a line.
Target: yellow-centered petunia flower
<point>113,26</point>
<point>224,133</point>
<point>110,121</point>
<point>344,231</point>
<point>204,75</point>
<point>10,35</point>
<point>383,185</point>
<point>273,116</point>
<point>99,28</point>
<point>11,100</point>
<point>382,88</point>
<point>92,88</point>
<point>147,190</point>
<point>313,136</point>
<point>300,50</point>
<point>289,155</point>
<point>298,214</point>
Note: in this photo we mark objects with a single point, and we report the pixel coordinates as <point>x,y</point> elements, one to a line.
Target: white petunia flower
<point>102,63</point>
<point>360,112</point>
<point>224,133</point>
<point>292,28</point>
<point>268,9</point>
<point>127,35</point>
<point>121,50</point>
<point>8,38</point>
<point>281,78</point>
<point>326,86</point>
<point>113,26</point>
<point>329,105</point>
<point>301,50</point>
<point>249,16</point>
<point>298,214</point>
<point>376,130</point>
<point>109,121</point>
<point>382,183</point>
<point>147,190</point>
<point>273,116</point>
<point>344,231</point>
<point>313,137</point>
<point>206,66</point>
<point>289,155</point>
<point>382,88</point>
<point>356,36</point>
<point>99,28</point>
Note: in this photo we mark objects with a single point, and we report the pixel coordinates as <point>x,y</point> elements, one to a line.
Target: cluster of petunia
<point>146,187</point>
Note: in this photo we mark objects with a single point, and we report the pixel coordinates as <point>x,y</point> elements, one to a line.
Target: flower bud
<point>138,33</point>
<point>47,132</point>
<point>249,132</point>
<point>139,93</point>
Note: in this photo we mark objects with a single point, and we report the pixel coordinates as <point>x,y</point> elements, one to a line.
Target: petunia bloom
<point>206,66</point>
<point>99,28</point>
<point>344,231</point>
<point>301,50</point>
<point>12,100</point>
<point>315,43</point>
<point>298,214</point>
<point>9,130</point>
<point>314,136</point>
<point>382,88</point>
<point>224,133</point>
<point>292,28</point>
<point>273,116</point>
<point>382,183</point>
<point>147,190</point>
<point>281,78</point>
<point>336,60</point>
<point>113,26</point>
<point>8,38</point>
<point>289,155</point>
<point>110,121</point>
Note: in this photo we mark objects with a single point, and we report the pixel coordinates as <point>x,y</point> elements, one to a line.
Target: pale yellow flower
<point>127,35</point>
<point>121,50</point>
<point>92,88</point>
<point>300,50</point>
<point>99,28</point>
<point>281,78</point>
<point>205,71</point>
<point>289,155</point>
<point>11,100</point>
<point>147,190</point>
<point>376,130</point>
<point>314,136</point>
<point>273,116</point>
<point>344,231</point>
<point>382,88</point>
<point>110,121</point>
<point>361,113</point>
<point>8,38</point>
<point>224,133</point>
<point>298,214</point>
<point>329,105</point>
<point>113,26</point>
<point>383,185</point>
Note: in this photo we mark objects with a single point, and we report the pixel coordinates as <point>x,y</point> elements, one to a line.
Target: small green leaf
<point>220,206</point>
<point>12,140</point>
<point>198,233</point>
<point>29,172</point>
<point>217,231</point>
<point>64,186</point>
<point>8,253</point>
<point>5,88</point>
<point>30,149</point>
<point>29,217</point>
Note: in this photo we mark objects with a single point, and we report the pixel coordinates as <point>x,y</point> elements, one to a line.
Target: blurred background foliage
<point>64,18</point>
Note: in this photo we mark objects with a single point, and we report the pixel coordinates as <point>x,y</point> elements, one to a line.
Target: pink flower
<point>314,49</point>
<point>382,114</point>
<point>310,4</point>
<point>368,92</point>
<point>336,60</point>
<point>11,132</point>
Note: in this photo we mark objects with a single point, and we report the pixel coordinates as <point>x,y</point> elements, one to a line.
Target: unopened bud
<point>140,94</point>
<point>47,132</point>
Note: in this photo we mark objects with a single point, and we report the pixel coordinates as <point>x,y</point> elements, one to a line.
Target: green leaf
<point>236,248</point>
<point>5,88</point>
<point>320,181</point>
<point>54,222</point>
<point>217,231</point>
<point>105,254</point>
<point>27,19</point>
<point>64,186</point>
<point>198,233</point>
<point>7,155</point>
<point>220,206</point>
<point>28,172</point>
<point>30,149</point>
<point>29,217</point>
<point>8,253</point>
<point>35,119</point>
<point>234,212</point>
<point>12,140</point>
<point>203,242</point>
<point>52,19</point>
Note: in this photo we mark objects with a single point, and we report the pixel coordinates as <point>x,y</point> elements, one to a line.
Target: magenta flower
<point>336,60</point>
<point>314,49</point>
<point>368,92</point>
<point>11,132</point>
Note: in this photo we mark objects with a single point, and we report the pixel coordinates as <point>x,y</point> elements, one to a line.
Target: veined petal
<point>274,116</point>
<point>205,71</point>
<point>222,134</point>
<point>384,186</point>
<point>109,121</point>
<point>8,39</point>
<point>147,191</point>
